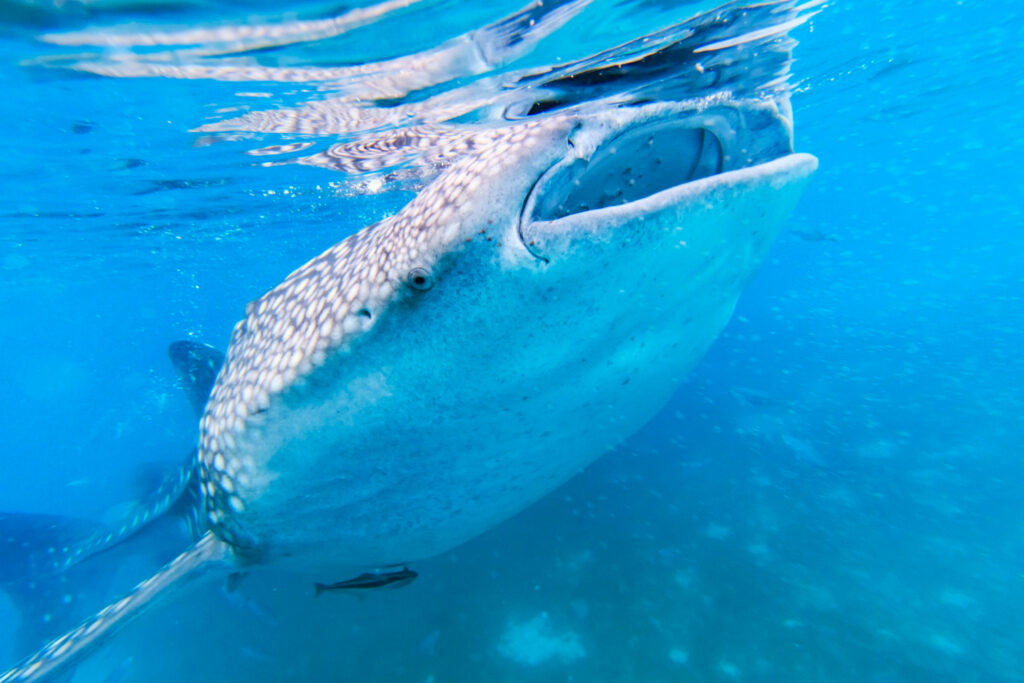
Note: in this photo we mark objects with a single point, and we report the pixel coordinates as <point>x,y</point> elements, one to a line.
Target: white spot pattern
<point>324,305</point>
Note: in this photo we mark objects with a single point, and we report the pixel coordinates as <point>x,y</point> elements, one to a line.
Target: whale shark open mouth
<point>635,165</point>
<point>655,156</point>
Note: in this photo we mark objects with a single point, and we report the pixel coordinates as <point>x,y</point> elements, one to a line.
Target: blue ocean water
<point>832,495</point>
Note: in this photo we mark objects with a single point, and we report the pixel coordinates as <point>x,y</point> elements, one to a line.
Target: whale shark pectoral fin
<point>59,654</point>
<point>177,495</point>
<point>197,366</point>
<point>43,544</point>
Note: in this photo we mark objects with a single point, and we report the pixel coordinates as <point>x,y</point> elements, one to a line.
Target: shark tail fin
<point>61,653</point>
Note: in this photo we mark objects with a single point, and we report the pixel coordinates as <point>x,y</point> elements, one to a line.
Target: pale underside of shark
<point>538,302</point>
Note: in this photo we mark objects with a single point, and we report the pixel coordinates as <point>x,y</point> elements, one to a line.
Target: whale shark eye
<point>420,278</point>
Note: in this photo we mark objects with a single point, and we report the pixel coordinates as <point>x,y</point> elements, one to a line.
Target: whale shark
<point>537,302</point>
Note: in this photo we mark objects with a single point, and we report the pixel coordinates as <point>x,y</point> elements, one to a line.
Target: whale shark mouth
<point>630,167</point>
<point>655,156</point>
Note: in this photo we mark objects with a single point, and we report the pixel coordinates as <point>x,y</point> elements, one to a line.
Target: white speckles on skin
<point>62,647</point>
<point>350,324</point>
<point>283,363</point>
<point>364,290</point>
<point>323,306</point>
<point>276,382</point>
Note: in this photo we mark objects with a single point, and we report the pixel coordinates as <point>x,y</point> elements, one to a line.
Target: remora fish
<point>390,579</point>
<point>433,374</point>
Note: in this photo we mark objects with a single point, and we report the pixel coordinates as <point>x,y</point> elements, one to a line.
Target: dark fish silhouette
<point>396,579</point>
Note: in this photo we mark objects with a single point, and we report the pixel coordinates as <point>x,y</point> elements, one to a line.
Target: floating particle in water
<point>15,262</point>
<point>955,598</point>
<point>728,669</point>
<point>879,449</point>
<point>685,578</point>
<point>428,646</point>
<point>580,608</point>
<point>535,642</point>
<point>669,553</point>
<point>759,550</point>
<point>254,653</point>
<point>945,645</point>
<point>718,532</point>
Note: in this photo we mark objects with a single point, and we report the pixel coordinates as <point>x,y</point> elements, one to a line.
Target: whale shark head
<point>538,302</point>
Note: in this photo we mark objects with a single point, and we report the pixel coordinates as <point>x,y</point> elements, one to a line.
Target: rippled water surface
<point>833,494</point>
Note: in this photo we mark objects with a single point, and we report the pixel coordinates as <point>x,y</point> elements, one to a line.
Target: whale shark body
<point>536,303</point>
